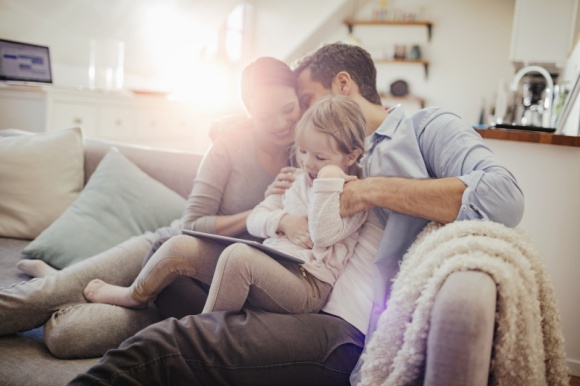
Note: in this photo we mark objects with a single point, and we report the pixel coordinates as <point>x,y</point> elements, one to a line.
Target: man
<point>429,167</point>
<point>443,173</point>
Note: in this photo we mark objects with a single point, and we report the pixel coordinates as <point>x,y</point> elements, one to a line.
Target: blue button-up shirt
<point>433,144</point>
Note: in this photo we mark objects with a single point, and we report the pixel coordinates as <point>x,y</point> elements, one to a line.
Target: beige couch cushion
<point>40,176</point>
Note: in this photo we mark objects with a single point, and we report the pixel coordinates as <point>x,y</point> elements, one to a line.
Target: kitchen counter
<point>530,136</point>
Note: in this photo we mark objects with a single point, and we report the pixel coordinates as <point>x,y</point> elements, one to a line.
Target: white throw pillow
<point>40,176</point>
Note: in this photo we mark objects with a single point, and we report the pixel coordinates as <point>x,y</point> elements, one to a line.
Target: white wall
<point>156,33</point>
<point>468,53</point>
<point>551,185</point>
<point>280,26</point>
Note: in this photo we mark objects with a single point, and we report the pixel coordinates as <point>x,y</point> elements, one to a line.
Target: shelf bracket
<point>350,28</point>
<point>429,31</point>
<point>426,67</point>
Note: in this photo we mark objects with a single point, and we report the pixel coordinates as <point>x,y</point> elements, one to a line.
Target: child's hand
<point>283,181</point>
<point>296,229</point>
<point>333,171</point>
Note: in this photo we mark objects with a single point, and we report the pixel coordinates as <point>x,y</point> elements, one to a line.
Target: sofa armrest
<point>461,332</point>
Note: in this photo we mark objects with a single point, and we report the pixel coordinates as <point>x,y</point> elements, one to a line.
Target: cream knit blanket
<point>528,347</point>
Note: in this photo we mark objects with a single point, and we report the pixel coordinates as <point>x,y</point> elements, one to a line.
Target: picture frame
<point>568,107</point>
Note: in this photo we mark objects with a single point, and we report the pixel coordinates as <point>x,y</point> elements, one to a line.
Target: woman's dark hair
<point>265,71</point>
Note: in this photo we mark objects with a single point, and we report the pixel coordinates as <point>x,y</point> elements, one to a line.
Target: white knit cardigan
<point>528,347</point>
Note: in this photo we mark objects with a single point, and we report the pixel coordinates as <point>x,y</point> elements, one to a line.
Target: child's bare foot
<point>35,268</point>
<point>97,291</point>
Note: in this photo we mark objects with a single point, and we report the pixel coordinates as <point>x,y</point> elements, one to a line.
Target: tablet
<point>226,240</point>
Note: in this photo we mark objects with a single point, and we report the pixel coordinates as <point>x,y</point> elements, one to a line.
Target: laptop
<point>24,62</point>
<point>275,254</point>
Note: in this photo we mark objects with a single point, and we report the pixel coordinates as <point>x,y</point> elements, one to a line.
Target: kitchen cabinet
<point>122,117</point>
<point>73,114</point>
<point>22,107</point>
<point>543,31</point>
<point>545,173</point>
<point>117,123</point>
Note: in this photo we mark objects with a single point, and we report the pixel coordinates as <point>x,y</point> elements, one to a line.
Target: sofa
<point>461,328</point>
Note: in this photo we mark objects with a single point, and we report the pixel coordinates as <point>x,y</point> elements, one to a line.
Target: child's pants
<point>178,256</point>
<point>242,273</point>
<point>245,273</point>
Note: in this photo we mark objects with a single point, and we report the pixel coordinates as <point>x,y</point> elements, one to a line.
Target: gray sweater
<point>229,180</point>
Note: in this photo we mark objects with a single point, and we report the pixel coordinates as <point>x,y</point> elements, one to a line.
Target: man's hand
<point>296,229</point>
<point>283,181</point>
<point>352,198</point>
<point>333,171</point>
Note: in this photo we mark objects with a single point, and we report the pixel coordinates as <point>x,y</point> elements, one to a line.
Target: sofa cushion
<point>40,176</point>
<point>118,202</point>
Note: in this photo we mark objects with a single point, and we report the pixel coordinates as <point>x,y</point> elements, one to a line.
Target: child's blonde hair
<point>339,117</point>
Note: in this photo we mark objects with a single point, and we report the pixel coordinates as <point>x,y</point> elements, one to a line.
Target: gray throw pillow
<point>119,201</point>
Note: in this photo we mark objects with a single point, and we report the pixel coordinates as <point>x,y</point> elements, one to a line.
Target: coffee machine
<point>529,108</point>
<point>532,98</point>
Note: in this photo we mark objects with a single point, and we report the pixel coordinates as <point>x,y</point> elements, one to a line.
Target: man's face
<point>310,91</point>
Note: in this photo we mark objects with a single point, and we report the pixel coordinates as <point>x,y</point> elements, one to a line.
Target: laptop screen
<point>24,62</point>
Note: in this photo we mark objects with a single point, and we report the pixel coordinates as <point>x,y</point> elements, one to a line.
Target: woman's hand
<point>283,181</point>
<point>296,229</point>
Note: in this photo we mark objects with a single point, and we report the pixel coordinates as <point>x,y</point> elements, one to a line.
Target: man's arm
<point>433,199</point>
<point>465,180</point>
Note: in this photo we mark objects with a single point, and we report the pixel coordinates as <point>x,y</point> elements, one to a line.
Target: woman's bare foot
<point>35,268</point>
<point>97,291</point>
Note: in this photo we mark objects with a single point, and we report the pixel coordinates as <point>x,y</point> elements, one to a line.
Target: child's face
<point>318,150</point>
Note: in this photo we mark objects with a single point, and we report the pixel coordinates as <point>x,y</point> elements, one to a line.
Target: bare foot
<point>35,268</point>
<point>97,291</point>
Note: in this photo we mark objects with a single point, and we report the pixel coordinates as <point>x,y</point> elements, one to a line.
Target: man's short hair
<point>333,58</point>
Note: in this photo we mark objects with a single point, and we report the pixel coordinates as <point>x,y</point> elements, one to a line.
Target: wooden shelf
<point>420,23</point>
<point>408,98</point>
<point>530,136</point>
<point>424,62</point>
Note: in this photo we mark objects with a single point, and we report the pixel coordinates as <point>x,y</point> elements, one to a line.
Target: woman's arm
<point>231,225</point>
<point>205,201</point>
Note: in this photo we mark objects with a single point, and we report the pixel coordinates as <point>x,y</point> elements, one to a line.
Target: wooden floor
<point>574,381</point>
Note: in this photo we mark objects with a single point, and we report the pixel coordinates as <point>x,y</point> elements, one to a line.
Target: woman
<point>329,142</point>
<point>231,180</point>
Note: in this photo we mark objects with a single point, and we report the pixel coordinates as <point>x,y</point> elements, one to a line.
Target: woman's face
<point>275,111</point>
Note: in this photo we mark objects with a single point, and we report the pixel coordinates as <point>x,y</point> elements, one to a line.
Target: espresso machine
<point>529,106</point>
<point>532,92</point>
